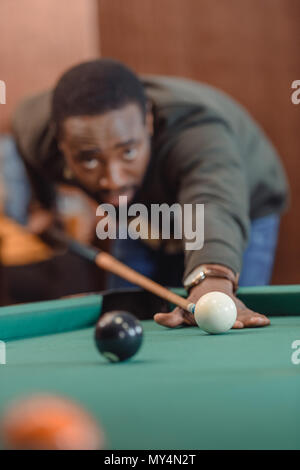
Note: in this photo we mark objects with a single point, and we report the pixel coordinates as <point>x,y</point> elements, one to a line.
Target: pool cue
<point>109,263</point>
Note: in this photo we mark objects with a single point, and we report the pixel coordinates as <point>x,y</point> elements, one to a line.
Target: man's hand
<point>246,318</point>
<point>41,220</point>
<point>45,224</point>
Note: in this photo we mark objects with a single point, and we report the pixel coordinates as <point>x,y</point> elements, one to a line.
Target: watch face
<point>194,276</point>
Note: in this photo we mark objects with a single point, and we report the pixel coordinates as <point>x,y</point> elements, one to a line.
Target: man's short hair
<point>96,87</point>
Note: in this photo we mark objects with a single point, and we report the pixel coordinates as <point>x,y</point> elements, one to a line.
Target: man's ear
<point>149,119</point>
<point>61,143</point>
<point>57,132</point>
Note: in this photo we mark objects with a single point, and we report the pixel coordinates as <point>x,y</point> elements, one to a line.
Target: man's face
<point>108,153</point>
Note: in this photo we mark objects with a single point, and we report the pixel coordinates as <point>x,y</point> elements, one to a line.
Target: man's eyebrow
<point>126,143</point>
<point>87,152</point>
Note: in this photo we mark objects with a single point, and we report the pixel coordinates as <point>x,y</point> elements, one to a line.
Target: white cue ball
<point>215,312</point>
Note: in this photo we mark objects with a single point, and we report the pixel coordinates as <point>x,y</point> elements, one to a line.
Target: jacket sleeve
<point>207,168</point>
<point>34,139</point>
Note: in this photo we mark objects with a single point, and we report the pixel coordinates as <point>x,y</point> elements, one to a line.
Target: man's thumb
<point>170,320</point>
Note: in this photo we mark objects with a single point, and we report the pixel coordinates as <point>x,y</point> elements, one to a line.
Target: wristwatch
<point>202,272</point>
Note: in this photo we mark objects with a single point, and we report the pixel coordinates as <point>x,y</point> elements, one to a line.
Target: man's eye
<point>130,154</point>
<point>90,163</point>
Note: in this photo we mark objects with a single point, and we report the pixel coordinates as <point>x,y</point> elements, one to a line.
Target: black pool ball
<point>118,335</point>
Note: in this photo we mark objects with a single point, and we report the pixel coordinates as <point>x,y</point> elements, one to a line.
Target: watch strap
<point>215,271</point>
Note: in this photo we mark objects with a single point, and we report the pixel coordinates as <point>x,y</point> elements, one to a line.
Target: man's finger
<point>238,325</point>
<point>170,320</point>
<point>253,320</point>
<point>256,320</point>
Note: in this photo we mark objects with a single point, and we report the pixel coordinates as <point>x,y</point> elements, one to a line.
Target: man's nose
<point>111,179</point>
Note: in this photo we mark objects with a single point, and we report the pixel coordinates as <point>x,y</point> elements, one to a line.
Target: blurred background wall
<point>39,39</point>
<point>247,48</point>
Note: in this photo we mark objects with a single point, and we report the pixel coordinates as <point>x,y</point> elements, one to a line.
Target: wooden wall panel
<point>248,48</point>
<point>39,39</point>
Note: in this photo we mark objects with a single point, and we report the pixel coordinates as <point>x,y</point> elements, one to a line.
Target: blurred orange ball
<point>48,422</point>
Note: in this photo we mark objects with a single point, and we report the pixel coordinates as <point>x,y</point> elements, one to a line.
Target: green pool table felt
<point>185,389</point>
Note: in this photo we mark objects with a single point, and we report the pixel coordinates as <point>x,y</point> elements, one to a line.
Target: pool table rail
<point>72,313</point>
